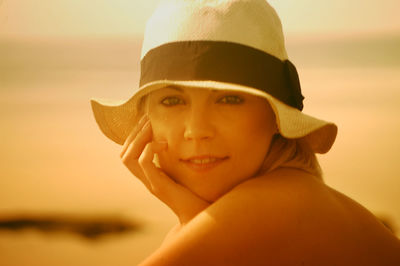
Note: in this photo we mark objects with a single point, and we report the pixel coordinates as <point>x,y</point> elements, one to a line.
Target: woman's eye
<point>171,101</point>
<point>231,99</point>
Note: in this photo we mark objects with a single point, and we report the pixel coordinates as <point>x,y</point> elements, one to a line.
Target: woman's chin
<point>208,194</point>
<point>205,184</point>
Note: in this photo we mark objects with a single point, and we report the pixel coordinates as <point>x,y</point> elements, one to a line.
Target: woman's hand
<point>138,153</point>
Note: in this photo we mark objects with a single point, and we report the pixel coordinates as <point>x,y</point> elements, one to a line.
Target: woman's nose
<point>198,126</point>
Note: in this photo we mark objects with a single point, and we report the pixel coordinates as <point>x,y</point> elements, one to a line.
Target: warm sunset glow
<point>57,54</point>
<point>127,17</point>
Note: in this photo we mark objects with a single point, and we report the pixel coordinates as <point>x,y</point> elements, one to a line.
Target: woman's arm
<point>254,224</point>
<point>138,154</point>
<point>285,218</point>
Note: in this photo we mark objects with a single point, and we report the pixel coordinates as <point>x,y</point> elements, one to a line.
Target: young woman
<point>216,132</point>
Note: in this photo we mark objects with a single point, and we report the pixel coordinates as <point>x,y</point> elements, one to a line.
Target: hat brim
<point>116,119</point>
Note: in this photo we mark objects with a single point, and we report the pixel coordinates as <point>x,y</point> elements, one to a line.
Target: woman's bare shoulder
<point>318,221</point>
<point>278,197</point>
<point>287,217</point>
<point>286,203</point>
<point>283,185</point>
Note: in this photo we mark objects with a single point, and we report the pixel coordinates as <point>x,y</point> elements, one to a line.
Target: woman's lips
<point>203,163</point>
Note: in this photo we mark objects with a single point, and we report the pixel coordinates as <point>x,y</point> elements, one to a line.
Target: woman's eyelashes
<point>231,99</point>
<point>172,101</point>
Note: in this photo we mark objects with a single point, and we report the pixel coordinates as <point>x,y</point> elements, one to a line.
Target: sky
<point>56,159</point>
<point>76,18</point>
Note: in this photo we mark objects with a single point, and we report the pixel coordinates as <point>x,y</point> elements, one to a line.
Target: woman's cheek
<point>160,129</point>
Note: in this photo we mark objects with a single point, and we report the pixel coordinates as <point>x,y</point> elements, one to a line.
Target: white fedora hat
<point>219,44</point>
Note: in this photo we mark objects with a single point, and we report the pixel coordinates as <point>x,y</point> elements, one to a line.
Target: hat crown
<point>249,22</point>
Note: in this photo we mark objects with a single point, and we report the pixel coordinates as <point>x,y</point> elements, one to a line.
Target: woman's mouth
<point>203,163</point>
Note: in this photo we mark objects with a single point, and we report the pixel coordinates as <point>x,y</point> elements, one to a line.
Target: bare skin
<point>138,153</point>
<point>286,217</point>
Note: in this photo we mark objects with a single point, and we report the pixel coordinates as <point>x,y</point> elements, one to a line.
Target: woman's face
<point>216,139</point>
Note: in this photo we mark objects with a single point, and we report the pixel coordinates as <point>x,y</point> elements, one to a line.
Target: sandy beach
<point>54,159</point>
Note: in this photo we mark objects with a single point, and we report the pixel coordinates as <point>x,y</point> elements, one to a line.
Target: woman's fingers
<point>135,148</point>
<point>182,201</point>
<point>152,173</point>
<point>138,155</point>
<point>137,145</point>
<point>133,165</point>
<point>133,134</point>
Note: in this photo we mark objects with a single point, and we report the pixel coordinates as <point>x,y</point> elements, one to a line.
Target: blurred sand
<point>54,158</point>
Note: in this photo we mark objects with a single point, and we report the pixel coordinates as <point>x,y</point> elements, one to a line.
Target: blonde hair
<point>291,153</point>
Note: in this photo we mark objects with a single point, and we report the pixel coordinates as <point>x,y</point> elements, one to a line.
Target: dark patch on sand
<point>88,227</point>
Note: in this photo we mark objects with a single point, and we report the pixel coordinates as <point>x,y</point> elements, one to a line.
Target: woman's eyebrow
<point>180,89</point>
<point>175,88</point>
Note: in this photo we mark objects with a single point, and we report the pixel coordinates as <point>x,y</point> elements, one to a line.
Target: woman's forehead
<point>184,89</point>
